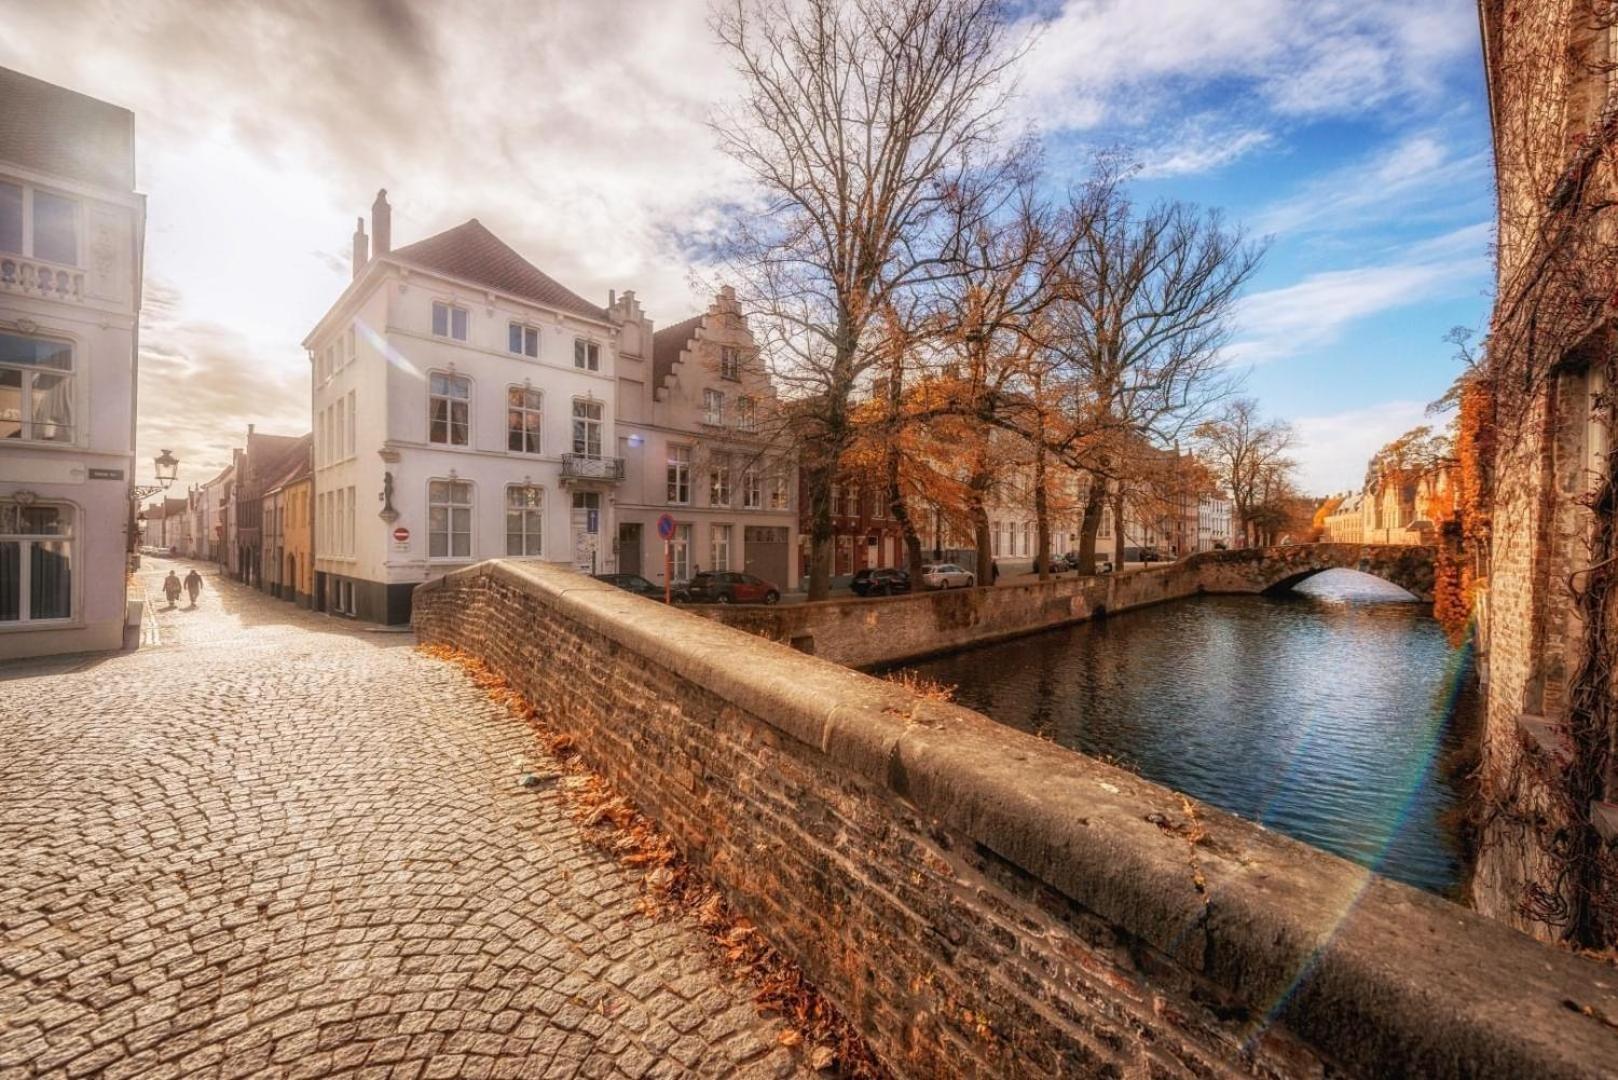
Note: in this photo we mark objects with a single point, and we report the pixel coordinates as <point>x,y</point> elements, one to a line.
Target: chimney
<point>381,224</point>
<point>361,249</point>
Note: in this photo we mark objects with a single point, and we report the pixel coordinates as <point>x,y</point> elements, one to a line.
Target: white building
<point>463,410</point>
<point>1213,523</point>
<point>697,429</point>
<point>72,231</point>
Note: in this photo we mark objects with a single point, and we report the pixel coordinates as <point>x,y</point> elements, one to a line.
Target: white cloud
<point>1412,179</point>
<point>1200,148</point>
<point>1100,60</point>
<point>1316,311</point>
<point>1332,450</point>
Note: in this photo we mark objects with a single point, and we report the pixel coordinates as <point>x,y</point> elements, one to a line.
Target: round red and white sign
<point>401,534</point>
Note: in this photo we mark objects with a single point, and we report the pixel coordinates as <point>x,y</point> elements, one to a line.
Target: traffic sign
<point>665,527</point>
<point>401,534</point>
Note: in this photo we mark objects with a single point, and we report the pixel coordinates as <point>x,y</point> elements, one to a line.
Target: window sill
<point>41,624</point>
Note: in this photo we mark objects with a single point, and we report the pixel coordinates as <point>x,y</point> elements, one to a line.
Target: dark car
<point>880,581</point>
<point>1151,555</point>
<point>632,583</point>
<point>729,587</point>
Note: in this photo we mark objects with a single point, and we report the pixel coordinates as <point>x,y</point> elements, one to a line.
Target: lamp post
<point>166,465</point>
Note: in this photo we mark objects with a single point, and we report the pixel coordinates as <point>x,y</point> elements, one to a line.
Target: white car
<point>947,576</point>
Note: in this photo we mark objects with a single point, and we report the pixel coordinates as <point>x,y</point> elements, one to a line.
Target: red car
<point>729,587</point>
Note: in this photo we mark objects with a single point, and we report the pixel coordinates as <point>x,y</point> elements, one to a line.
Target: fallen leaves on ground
<point>671,888</point>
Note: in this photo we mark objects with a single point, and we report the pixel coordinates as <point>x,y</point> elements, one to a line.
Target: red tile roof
<point>667,345</point>
<point>59,132</point>
<point>473,253</point>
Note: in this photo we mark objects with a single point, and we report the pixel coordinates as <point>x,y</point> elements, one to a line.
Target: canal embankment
<point>881,632</point>
<point>979,900</point>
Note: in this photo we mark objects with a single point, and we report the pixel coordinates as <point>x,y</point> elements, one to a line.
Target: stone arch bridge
<point>1276,569</point>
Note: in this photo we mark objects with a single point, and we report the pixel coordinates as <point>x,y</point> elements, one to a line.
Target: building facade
<point>697,432</point>
<point>1548,781</point>
<point>288,561</point>
<point>72,231</point>
<point>463,407</point>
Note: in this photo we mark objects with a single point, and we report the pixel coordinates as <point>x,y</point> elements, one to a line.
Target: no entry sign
<point>401,535</point>
<point>665,527</point>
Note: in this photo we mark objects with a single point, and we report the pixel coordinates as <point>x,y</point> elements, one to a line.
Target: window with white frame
<point>713,407</point>
<point>730,363</point>
<point>879,503</point>
<point>586,355</point>
<point>523,340</point>
<point>449,519</point>
<point>752,489</point>
<point>680,552</point>
<point>679,475</point>
<point>36,389</point>
<point>36,563</point>
<point>39,223</point>
<point>340,441</point>
<point>449,321</point>
<point>746,414</point>
<point>352,409</point>
<point>719,481</point>
<point>524,409</point>
<point>587,428</point>
<point>525,520</point>
<point>719,537</point>
<point>780,490</point>
<point>449,409</point>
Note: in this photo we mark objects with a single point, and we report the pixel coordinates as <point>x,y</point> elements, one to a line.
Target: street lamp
<point>166,466</point>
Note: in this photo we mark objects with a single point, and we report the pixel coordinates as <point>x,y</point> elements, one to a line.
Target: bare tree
<point>1146,314</point>
<point>859,121</point>
<point>1249,457</point>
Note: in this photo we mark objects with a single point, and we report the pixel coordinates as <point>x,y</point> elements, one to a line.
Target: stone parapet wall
<point>980,902</point>
<point>890,630</point>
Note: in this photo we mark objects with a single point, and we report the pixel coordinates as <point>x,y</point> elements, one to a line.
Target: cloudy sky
<point>1355,132</point>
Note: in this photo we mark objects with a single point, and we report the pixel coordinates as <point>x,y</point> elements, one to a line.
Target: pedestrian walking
<point>171,588</point>
<point>193,585</point>
<point>994,571</point>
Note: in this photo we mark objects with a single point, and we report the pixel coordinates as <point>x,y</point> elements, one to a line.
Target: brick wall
<point>983,903</point>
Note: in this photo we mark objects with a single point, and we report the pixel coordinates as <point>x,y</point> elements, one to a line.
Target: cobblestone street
<point>278,844</point>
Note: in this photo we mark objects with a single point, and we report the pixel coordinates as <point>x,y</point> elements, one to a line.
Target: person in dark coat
<point>994,571</point>
<point>171,588</point>
<point>193,585</point>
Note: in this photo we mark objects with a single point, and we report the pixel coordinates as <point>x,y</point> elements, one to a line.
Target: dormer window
<point>524,340</point>
<point>449,321</point>
<point>586,355</point>
<point>730,363</point>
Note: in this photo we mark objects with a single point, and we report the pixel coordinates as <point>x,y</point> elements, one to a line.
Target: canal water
<point>1325,713</point>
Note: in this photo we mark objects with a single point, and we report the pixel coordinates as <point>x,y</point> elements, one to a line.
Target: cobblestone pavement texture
<point>277,844</point>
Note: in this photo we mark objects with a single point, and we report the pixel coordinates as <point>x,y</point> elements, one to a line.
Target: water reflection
<point>1321,713</point>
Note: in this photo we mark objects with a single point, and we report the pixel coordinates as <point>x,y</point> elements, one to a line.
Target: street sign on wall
<point>401,535</point>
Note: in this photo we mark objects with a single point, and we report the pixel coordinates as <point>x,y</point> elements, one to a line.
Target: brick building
<point>1546,861</point>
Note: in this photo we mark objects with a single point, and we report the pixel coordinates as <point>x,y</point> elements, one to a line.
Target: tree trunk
<point>1118,528</point>
<point>1090,525</point>
<point>818,483</point>
<point>901,513</point>
<point>1042,515</point>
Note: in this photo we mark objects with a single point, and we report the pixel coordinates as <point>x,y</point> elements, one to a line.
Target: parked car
<point>1150,555</point>
<point>1070,560</point>
<point>947,576</point>
<point>729,587</point>
<point>880,581</point>
<point>632,583</point>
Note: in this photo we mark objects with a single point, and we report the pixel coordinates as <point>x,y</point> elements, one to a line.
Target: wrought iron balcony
<point>580,467</point>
